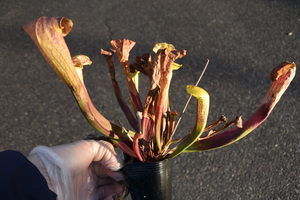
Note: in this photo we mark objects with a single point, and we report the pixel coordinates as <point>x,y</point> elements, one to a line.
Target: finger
<point>101,172</point>
<point>108,191</point>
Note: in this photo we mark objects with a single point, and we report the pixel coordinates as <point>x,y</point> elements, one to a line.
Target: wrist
<point>36,161</point>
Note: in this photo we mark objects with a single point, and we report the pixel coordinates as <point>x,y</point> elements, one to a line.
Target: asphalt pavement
<point>244,41</point>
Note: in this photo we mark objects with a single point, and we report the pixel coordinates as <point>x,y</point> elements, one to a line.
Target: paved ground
<point>244,40</point>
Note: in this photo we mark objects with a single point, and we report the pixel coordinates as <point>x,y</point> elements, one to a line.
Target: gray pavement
<point>244,41</point>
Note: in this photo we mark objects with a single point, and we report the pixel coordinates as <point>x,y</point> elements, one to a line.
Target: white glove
<point>81,170</point>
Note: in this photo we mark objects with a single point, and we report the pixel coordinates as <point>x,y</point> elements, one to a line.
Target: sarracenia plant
<point>151,137</point>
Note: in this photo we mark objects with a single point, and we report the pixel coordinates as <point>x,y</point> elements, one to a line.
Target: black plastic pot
<point>150,180</point>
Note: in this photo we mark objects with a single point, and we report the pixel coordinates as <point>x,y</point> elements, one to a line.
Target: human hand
<point>82,170</point>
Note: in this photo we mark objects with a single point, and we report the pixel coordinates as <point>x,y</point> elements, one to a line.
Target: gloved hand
<point>82,170</point>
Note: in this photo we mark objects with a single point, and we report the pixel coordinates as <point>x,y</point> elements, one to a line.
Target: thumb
<point>104,153</point>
